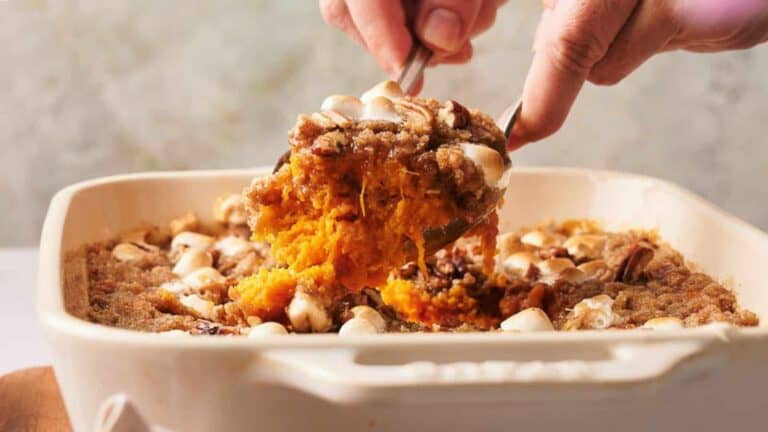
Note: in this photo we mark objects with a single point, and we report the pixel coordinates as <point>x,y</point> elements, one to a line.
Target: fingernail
<point>442,28</point>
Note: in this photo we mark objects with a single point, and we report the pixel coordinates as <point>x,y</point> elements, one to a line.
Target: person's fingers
<point>382,26</point>
<point>336,14</point>
<point>460,57</point>
<point>650,28</point>
<point>575,37</point>
<point>444,25</point>
<point>486,16</point>
<point>712,25</point>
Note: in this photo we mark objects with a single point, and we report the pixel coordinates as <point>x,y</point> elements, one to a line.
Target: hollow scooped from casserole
<point>365,179</point>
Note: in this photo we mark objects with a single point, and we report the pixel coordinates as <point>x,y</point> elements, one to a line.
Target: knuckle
<point>748,37</point>
<point>334,12</point>
<point>577,53</point>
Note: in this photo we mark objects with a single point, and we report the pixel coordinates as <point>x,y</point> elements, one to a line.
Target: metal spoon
<point>437,238</point>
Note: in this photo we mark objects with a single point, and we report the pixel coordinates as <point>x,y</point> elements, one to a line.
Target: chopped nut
<point>631,269</point>
<point>454,115</point>
<point>329,144</point>
<point>188,222</point>
<point>253,321</point>
<point>229,209</point>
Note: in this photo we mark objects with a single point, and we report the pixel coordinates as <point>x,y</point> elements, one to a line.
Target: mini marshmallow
<point>520,262</point>
<point>487,159</point>
<point>232,246</point>
<point>595,312</point>
<point>188,239</point>
<point>306,314</point>
<point>267,329</point>
<point>202,278</point>
<point>555,266</point>
<point>253,321</point>
<point>380,108</point>
<point>573,275</point>
<point>348,106</point>
<point>594,269</point>
<point>663,323</point>
<point>586,246</point>
<point>128,252</point>
<point>198,304</point>
<point>174,286</point>
<point>372,315</point>
<point>388,89</point>
<point>191,260</point>
<point>357,326</point>
<point>539,239</point>
<point>229,209</point>
<point>527,320</point>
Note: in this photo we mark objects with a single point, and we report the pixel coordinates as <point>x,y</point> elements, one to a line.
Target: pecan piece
<point>454,115</point>
<point>329,144</point>
<point>632,267</point>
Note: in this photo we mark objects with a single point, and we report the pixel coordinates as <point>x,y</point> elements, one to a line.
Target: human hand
<point>383,27</point>
<point>603,41</point>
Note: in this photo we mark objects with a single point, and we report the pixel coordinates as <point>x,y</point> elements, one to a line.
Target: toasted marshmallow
<point>198,304</point>
<point>174,286</point>
<point>348,106</point>
<point>307,314</point>
<point>266,329</point>
<point>372,315</point>
<point>555,266</point>
<point>253,320</point>
<point>380,108</point>
<point>357,326</point>
<point>191,260</point>
<point>229,209</point>
<point>487,159</point>
<point>519,262</point>
<point>586,246</point>
<point>595,312</point>
<point>388,89</point>
<point>128,252</point>
<point>664,323</point>
<point>594,269</point>
<point>573,275</point>
<point>232,246</point>
<point>539,239</point>
<point>203,278</point>
<point>528,320</point>
<point>188,239</point>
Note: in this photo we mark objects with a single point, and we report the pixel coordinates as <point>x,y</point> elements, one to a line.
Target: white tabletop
<point>21,338</point>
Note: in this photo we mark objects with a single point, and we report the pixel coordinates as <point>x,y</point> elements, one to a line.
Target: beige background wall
<point>97,87</point>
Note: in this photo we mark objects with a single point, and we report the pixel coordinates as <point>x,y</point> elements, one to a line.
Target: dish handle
<point>338,375</point>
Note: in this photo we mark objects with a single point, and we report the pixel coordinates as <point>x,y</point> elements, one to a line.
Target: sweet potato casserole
<point>338,240</point>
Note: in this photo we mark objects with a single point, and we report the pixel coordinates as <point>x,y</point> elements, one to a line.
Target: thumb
<point>444,25</point>
<point>574,36</point>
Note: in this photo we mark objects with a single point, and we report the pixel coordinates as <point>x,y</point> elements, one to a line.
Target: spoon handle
<point>414,67</point>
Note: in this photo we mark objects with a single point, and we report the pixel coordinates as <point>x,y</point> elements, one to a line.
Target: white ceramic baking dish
<point>710,378</point>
